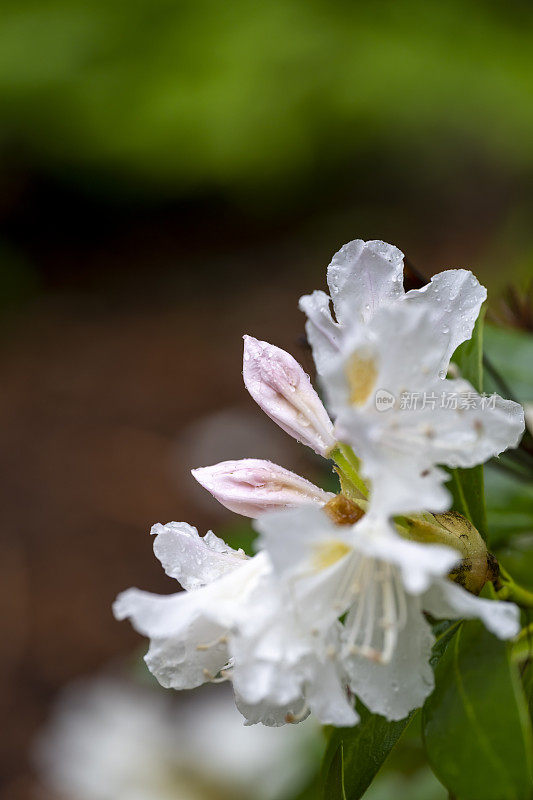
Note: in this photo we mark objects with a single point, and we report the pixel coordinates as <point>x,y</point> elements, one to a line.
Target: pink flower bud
<point>283,390</point>
<point>252,486</point>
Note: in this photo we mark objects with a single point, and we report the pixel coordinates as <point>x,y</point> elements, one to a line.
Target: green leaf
<point>476,728</point>
<point>467,485</point>
<point>334,783</point>
<point>360,751</point>
<point>509,506</point>
<point>511,353</point>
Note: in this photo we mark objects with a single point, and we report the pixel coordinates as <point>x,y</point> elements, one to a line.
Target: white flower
<point>428,421</point>
<point>381,584</point>
<point>234,622</point>
<point>283,390</point>
<point>190,631</point>
<point>252,486</point>
<point>365,276</point>
<point>109,739</point>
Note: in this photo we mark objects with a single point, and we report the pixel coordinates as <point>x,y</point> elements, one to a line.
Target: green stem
<point>510,590</point>
<point>349,465</point>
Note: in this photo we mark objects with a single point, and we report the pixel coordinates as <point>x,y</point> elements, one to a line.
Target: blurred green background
<point>174,174</point>
<point>410,121</point>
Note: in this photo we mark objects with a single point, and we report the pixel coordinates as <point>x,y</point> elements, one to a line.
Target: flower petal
<point>252,487</point>
<point>271,715</point>
<point>447,600</point>
<point>401,685</point>
<point>454,297</point>
<point>189,558</point>
<point>362,276</point>
<point>322,332</point>
<point>328,697</point>
<point>180,630</point>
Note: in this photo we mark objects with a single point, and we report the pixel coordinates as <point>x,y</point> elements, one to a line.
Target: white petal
<point>447,600</point>
<point>362,276</point>
<point>455,298</point>
<point>464,437</point>
<point>402,476</point>
<point>283,390</point>
<point>419,563</point>
<point>189,558</point>
<point>322,332</point>
<point>252,487</point>
<point>179,629</point>
<point>328,698</point>
<point>271,715</point>
<point>188,630</point>
<point>396,688</point>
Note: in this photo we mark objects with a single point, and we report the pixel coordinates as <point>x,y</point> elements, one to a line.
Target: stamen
<point>293,718</point>
<point>221,640</point>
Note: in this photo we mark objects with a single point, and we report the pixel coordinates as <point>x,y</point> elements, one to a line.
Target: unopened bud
<point>252,487</point>
<point>283,390</point>
<point>477,565</point>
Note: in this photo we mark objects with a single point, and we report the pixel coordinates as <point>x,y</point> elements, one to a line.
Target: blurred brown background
<point>173,176</point>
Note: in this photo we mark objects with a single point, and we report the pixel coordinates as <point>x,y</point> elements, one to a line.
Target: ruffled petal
<point>362,276</point>
<point>447,600</point>
<point>190,559</point>
<point>454,298</point>
<point>187,648</point>
<point>272,716</point>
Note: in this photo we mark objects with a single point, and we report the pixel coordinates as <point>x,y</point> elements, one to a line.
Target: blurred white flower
<point>380,584</point>
<point>397,352</point>
<point>528,413</point>
<point>283,390</point>
<point>109,739</point>
<point>365,276</point>
<point>252,486</point>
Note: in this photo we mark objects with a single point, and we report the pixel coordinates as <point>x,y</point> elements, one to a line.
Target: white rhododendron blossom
<point>380,584</point>
<point>365,276</point>
<point>252,486</point>
<point>234,622</point>
<point>400,446</point>
<point>335,605</point>
<point>283,390</point>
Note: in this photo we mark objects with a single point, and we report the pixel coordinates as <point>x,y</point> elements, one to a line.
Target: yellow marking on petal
<point>328,553</point>
<point>361,373</point>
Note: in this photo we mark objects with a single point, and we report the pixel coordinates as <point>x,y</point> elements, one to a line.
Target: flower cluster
<point>335,603</point>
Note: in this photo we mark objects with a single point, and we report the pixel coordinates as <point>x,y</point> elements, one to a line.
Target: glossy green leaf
<point>466,485</point>
<point>511,354</point>
<point>476,727</point>
<point>334,782</point>
<point>509,506</point>
<point>360,751</point>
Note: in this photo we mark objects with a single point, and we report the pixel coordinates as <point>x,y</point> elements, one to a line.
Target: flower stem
<point>510,590</point>
<point>349,466</point>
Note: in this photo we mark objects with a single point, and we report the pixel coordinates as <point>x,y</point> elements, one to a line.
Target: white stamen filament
<point>374,587</point>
